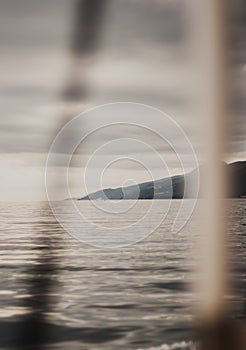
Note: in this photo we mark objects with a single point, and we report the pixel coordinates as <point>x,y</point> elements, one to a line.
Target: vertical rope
<point>34,330</point>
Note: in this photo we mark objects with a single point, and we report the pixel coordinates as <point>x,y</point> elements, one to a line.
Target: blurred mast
<point>212,30</point>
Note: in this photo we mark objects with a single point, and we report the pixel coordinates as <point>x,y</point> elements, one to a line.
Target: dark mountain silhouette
<point>237,179</point>
<point>173,187</point>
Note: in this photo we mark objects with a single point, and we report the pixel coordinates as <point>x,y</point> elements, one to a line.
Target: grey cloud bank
<point>144,55</point>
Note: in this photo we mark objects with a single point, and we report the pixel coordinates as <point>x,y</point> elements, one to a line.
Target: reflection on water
<point>59,292</point>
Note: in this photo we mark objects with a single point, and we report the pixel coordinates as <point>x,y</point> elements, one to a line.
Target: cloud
<point>143,56</point>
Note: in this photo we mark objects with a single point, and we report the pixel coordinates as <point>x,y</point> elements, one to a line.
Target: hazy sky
<point>145,55</point>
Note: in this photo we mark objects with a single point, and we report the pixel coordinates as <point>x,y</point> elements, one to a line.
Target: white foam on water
<point>183,345</point>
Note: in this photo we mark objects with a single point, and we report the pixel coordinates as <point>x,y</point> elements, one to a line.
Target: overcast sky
<point>145,55</point>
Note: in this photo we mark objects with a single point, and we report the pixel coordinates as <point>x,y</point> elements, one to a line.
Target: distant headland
<point>172,187</point>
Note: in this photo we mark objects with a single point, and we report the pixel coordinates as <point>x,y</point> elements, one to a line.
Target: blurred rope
<point>34,330</point>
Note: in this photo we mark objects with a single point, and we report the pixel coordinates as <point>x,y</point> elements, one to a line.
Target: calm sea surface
<point>70,295</point>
